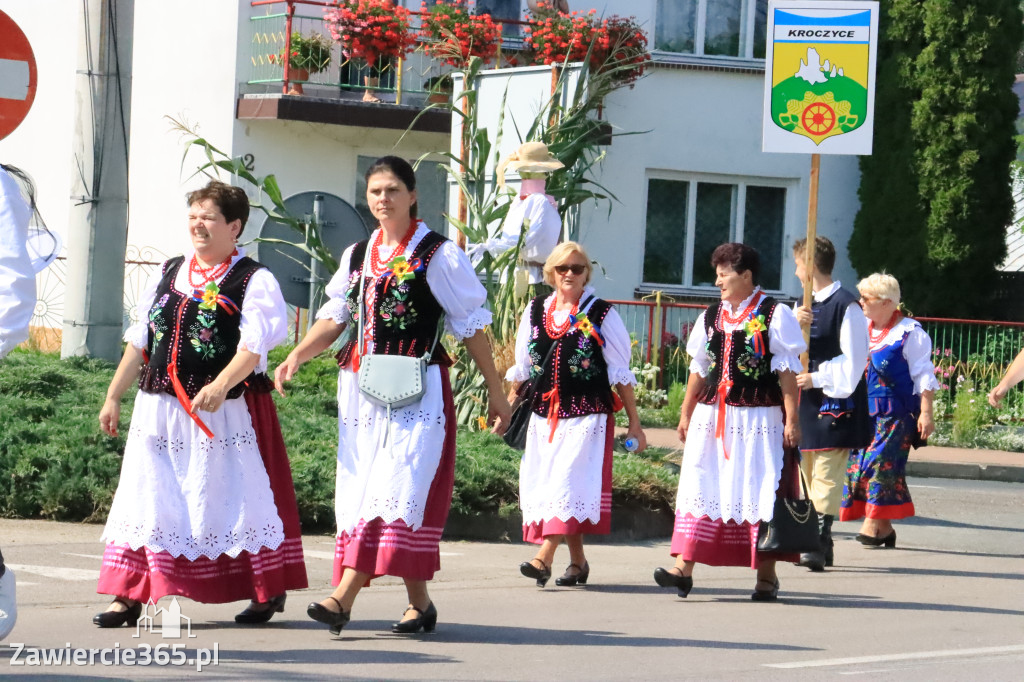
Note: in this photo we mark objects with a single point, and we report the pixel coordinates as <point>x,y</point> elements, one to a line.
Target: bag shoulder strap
<point>361,341</point>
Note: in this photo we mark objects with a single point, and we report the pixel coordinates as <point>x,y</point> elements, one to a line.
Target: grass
<point>57,464</point>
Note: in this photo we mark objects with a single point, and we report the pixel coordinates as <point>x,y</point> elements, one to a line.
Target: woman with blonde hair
<point>901,385</point>
<point>578,346</point>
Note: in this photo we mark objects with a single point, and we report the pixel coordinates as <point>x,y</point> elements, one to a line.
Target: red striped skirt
<point>144,575</point>
<point>379,548</point>
<point>717,543</point>
<point>536,531</point>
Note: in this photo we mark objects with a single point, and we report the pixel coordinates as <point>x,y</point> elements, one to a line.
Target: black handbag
<point>793,528</point>
<point>522,408</point>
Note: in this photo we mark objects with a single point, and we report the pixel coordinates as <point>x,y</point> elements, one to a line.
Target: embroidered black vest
<point>832,423</point>
<point>406,314</point>
<point>205,333</point>
<point>754,384</point>
<point>583,386</point>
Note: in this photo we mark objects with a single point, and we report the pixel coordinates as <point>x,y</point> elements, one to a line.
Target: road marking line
<point>84,556</point>
<point>57,572</point>
<point>918,655</point>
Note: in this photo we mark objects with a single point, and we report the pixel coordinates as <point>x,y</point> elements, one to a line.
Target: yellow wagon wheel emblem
<point>818,119</point>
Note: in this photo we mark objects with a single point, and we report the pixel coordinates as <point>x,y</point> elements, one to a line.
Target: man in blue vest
<point>833,396</point>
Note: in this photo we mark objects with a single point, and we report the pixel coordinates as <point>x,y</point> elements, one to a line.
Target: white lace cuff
<point>781,363</point>
<point>465,328</point>
<point>925,382</point>
<point>621,375</point>
<point>335,309</point>
<point>256,345</point>
<point>517,373</point>
<point>697,368</point>
<point>137,335</point>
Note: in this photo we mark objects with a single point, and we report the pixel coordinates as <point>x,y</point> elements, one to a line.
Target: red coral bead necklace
<point>376,261</point>
<point>880,336</point>
<point>742,316</point>
<point>207,275</point>
<point>557,331</point>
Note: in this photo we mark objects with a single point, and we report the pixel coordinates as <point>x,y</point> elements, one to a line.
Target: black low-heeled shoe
<point>871,541</point>
<point>322,614</point>
<point>253,616</point>
<point>578,578</point>
<point>540,575</point>
<point>683,583</point>
<point>766,595</point>
<point>426,620</point>
<point>115,619</point>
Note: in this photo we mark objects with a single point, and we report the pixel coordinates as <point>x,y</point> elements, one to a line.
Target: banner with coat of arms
<point>819,91</point>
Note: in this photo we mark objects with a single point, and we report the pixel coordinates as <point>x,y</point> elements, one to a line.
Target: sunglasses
<point>576,269</point>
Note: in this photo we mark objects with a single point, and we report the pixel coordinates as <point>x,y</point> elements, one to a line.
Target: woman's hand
<point>791,434</point>
<point>285,371</point>
<point>996,395</point>
<point>635,431</point>
<point>684,426</point>
<point>499,412</point>
<point>803,381</point>
<point>925,424</point>
<point>110,415</point>
<point>209,398</point>
<point>513,393</point>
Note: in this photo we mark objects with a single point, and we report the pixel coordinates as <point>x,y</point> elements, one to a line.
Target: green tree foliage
<point>936,195</point>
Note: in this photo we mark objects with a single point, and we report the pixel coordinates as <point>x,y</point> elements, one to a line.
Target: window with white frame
<point>688,218</point>
<point>721,28</point>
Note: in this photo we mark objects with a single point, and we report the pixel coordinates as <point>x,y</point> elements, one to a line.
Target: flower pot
<point>294,87</point>
<point>439,97</point>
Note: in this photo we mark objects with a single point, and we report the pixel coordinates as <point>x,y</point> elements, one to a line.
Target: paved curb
<point>962,470</point>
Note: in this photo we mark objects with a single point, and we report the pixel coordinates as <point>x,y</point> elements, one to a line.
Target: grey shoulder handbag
<point>390,381</point>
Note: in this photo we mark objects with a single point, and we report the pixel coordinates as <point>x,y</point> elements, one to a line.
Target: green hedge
<point>55,463</point>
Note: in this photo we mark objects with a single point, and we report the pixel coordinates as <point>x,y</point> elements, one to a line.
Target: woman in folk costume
<point>579,345</point>
<point>532,210</point>
<point>396,466</point>
<point>740,411</point>
<point>901,386</point>
<point>205,507</point>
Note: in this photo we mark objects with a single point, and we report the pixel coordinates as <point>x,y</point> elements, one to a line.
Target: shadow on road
<point>901,570</point>
<point>947,523</point>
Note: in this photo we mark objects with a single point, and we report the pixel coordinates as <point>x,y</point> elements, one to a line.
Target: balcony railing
<point>406,80</point>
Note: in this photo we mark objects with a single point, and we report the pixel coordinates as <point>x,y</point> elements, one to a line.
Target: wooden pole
<point>812,235</point>
<point>463,163</point>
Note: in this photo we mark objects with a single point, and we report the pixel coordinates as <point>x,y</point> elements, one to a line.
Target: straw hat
<point>531,157</point>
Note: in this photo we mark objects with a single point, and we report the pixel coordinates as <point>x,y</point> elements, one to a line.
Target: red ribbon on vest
<point>172,370</point>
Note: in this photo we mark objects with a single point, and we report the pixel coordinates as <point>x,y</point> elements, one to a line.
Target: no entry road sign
<point>17,76</point>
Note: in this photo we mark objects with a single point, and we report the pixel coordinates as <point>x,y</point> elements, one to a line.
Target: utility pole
<point>98,225</point>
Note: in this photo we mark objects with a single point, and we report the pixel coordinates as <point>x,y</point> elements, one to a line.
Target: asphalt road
<point>947,604</point>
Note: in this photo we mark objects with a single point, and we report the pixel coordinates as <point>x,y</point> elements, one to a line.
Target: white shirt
<point>785,339</point>
<point>17,279</point>
<point>917,350</point>
<point>450,276</point>
<point>539,216</point>
<point>263,324</point>
<point>617,347</point>
<point>838,377</point>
